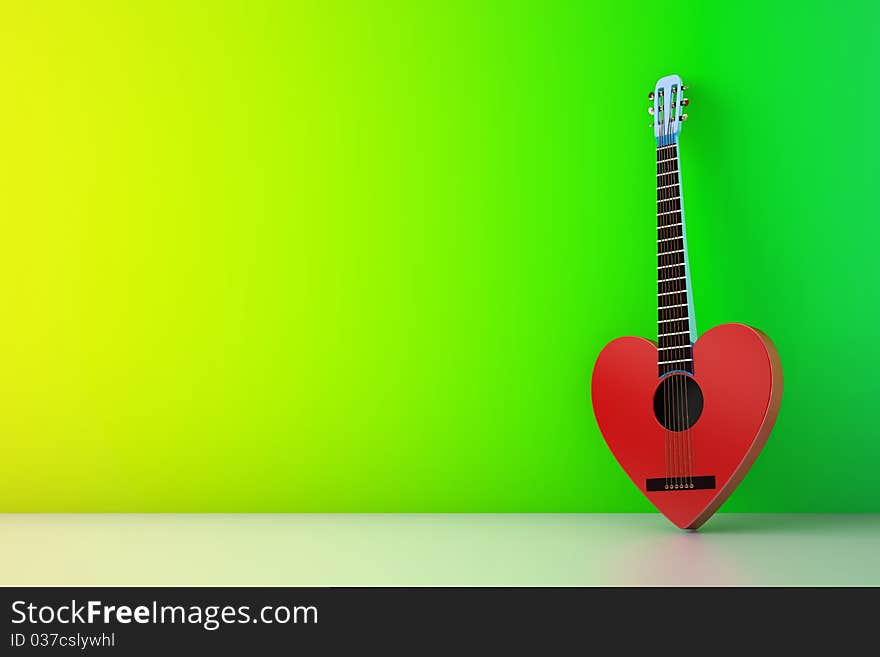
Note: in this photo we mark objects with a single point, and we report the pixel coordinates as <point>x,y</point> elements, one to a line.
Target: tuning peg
<point>651,96</point>
<point>683,117</point>
<point>684,87</point>
<point>685,102</point>
<point>651,111</point>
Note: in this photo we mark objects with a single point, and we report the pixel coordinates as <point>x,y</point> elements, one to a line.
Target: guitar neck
<point>676,330</point>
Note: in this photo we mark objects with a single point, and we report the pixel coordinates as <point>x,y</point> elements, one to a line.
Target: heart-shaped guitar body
<point>689,468</point>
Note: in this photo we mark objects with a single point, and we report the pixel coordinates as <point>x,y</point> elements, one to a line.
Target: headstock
<point>668,101</point>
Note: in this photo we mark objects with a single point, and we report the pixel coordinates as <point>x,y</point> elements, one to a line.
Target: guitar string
<point>676,392</point>
<point>679,378</point>
<point>687,411</point>
<point>667,446</point>
<point>692,329</point>
<point>676,385</point>
<point>669,390</point>
<point>676,378</point>
<point>682,401</point>
<point>657,122</point>
<point>668,384</point>
<point>668,129</point>
<point>666,452</point>
<point>689,483</point>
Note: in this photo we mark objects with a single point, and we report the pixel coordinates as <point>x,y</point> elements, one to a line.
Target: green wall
<point>296,256</point>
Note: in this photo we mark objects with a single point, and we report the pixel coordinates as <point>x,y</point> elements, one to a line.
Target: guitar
<point>684,417</point>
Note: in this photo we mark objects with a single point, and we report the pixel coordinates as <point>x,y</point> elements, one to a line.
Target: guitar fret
<point>669,159</point>
<point>677,305</point>
<point>667,186</point>
<point>680,360</point>
<point>664,335</point>
<point>663,253</point>
<point>671,198</point>
<point>677,319</point>
<point>669,212</point>
<point>672,288</point>
<point>683,345</point>
<point>673,233</point>
<point>664,340</point>
<point>680,264</point>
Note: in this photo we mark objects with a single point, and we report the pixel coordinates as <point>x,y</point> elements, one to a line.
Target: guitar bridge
<point>667,484</point>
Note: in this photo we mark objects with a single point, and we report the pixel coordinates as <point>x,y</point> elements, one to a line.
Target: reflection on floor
<point>503,549</point>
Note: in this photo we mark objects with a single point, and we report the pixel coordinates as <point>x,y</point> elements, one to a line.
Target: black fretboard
<point>674,321</point>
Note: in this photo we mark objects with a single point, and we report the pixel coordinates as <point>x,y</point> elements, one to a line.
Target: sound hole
<point>678,402</point>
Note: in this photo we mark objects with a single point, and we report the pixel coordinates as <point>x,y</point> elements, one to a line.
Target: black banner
<point>170,621</point>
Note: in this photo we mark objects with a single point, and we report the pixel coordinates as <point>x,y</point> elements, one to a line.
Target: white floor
<point>446,550</point>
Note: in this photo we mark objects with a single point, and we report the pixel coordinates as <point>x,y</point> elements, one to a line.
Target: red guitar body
<point>737,370</point>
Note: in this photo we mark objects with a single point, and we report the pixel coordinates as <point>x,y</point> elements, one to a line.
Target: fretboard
<point>675,333</point>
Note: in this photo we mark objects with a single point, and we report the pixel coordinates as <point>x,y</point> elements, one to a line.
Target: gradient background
<point>272,256</point>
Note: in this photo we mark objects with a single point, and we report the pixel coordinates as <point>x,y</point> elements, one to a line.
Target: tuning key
<point>683,117</point>
<point>684,102</point>
<point>684,87</point>
<point>651,96</point>
<point>651,111</point>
